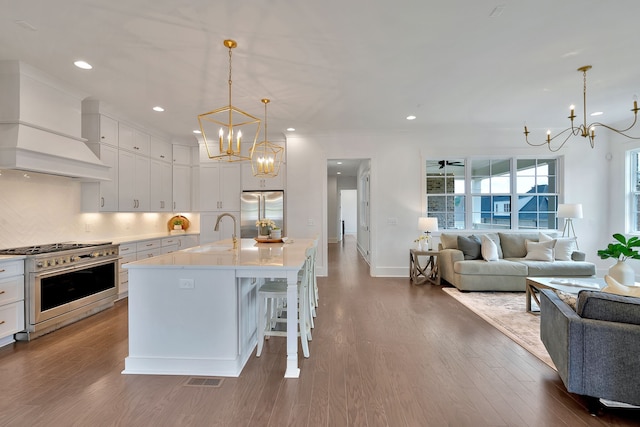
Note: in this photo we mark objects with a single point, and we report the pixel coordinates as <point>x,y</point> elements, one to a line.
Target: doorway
<point>348,195</point>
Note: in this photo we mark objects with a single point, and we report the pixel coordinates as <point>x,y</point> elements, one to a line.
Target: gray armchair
<point>595,348</point>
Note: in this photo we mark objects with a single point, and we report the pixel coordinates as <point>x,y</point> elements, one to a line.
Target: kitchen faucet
<point>235,241</point>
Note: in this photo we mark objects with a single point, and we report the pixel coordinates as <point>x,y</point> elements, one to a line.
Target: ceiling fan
<point>442,163</point>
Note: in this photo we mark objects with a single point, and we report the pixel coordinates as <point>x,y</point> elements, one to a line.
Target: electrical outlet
<point>392,221</point>
<point>310,222</point>
<point>87,227</point>
<point>186,284</point>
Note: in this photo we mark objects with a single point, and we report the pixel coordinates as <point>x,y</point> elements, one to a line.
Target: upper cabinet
<point>161,150</point>
<point>220,187</point>
<point>133,140</point>
<point>98,128</point>
<point>254,183</point>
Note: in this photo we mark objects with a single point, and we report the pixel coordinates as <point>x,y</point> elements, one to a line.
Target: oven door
<point>57,292</point>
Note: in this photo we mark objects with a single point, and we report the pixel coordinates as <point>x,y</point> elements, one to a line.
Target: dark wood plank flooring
<point>384,353</point>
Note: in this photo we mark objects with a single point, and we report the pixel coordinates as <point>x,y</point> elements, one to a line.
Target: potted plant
<point>264,227</point>
<point>622,250</point>
<point>177,224</point>
<point>276,233</point>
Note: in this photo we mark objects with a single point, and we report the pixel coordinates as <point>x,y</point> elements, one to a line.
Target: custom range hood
<point>41,126</point>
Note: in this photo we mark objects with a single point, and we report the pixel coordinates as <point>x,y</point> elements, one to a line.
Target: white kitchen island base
<point>194,312</point>
<point>190,322</point>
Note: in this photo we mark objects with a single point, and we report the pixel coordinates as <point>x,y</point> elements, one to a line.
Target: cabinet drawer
<point>148,245</point>
<point>148,254</point>
<point>128,248</point>
<point>11,290</point>
<point>11,268</point>
<point>125,259</point>
<point>11,318</point>
<point>171,241</point>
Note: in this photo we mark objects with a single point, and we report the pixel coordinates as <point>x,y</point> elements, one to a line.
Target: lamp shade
<point>570,210</point>
<point>427,224</point>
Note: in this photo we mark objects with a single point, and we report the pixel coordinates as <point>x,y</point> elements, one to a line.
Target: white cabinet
<point>253,183</point>
<point>11,299</point>
<point>161,186</point>
<point>181,155</point>
<point>133,182</point>
<point>160,150</point>
<point>220,187</point>
<point>100,128</point>
<point>181,188</point>
<point>102,196</point>
<point>127,254</point>
<point>133,140</point>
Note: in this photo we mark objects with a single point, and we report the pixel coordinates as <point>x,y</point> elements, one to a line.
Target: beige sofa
<point>510,270</point>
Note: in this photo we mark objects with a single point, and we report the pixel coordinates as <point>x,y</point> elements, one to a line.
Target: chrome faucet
<point>235,241</point>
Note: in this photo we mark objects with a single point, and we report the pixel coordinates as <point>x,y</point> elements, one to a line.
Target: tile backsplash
<point>37,208</point>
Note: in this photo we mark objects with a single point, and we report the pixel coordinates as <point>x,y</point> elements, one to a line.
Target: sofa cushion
<point>540,251</point>
<point>449,241</point>
<point>557,268</point>
<point>608,307</point>
<point>513,244</point>
<point>613,287</point>
<point>564,248</point>
<point>470,246</point>
<point>496,240</point>
<point>489,249</point>
<point>496,268</point>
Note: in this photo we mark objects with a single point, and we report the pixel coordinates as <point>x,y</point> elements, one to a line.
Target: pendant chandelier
<point>228,123</point>
<point>584,130</point>
<point>266,157</point>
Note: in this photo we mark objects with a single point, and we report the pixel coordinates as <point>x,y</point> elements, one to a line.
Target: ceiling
<point>335,65</point>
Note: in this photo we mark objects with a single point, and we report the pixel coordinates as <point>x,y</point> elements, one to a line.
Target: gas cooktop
<point>50,247</point>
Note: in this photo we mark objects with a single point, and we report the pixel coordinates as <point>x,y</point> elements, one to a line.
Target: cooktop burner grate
<point>51,247</point>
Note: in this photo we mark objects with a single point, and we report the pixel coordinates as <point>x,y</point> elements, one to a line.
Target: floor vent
<point>204,382</point>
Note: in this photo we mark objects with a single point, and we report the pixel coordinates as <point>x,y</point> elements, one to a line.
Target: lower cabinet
<point>11,299</point>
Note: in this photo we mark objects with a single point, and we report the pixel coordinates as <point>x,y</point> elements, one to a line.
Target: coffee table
<point>571,285</point>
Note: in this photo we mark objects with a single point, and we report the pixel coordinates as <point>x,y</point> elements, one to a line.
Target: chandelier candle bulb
<point>220,135</point>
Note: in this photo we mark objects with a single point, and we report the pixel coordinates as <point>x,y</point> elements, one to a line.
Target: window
<point>501,193</point>
<point>634,220</point>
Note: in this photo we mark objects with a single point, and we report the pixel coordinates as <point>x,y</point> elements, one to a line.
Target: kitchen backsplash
<point>37,208</point>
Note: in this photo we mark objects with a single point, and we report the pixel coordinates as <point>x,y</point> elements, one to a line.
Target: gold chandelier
<point>266,157</point>
<point>585,130</point>
<point>231,122</point>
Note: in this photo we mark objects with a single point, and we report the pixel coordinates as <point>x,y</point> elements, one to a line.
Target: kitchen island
<point>194,312</point>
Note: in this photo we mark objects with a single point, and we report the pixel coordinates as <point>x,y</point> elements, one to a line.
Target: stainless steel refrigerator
<point>256,205</point>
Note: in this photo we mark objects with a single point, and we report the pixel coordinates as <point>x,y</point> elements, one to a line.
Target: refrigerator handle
<point>260,207</point>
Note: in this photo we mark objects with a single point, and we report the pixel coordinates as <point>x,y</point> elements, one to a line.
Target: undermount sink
<point>209,248</point>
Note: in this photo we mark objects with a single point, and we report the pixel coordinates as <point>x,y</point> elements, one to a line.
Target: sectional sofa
<point>463,263</point>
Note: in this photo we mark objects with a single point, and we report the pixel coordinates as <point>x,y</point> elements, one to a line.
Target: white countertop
<point>152,236</point>
<point>221,255</point>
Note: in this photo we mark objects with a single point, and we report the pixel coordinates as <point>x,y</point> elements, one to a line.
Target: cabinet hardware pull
<point>149,244</point>
<point>2,292</point>
<point>3,270</point>
<point>1,322</point>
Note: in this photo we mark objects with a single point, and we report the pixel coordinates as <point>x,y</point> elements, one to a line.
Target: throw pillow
<point>613,287</point>
<point>540,251</point>
<point>565,246</point>
<point>449,241</point>
<point>568,298</point>
<point>489,249</point>
<point>470,246</point>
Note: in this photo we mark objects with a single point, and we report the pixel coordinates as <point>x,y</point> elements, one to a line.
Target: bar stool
<point>273,292</point>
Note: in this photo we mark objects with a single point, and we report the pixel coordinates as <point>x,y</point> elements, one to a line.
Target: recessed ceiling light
<point>83,64</point>
<point>339,163</point>
<point>158,109</point>
<point>197,131</point>
<point>339,173</point>
<point>411,117</point>
<point>597,113</point>
<point>291,129</point>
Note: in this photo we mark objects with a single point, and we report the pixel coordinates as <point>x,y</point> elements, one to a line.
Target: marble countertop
<point>11,257</point>
<point>221,255</point>
<point>152,236</point>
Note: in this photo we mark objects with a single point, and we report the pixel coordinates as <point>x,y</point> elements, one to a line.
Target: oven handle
<point>62,270</point>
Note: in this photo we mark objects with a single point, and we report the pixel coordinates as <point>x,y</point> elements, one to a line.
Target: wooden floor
<point>384,353</point>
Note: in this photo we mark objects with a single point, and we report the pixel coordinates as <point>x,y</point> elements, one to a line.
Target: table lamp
<point>427,225</point>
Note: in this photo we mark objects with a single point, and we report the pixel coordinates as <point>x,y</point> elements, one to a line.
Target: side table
<point>419,274</point>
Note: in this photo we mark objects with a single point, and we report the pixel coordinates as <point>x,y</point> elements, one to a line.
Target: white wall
<point>397,197</point>
<point>349,210</point>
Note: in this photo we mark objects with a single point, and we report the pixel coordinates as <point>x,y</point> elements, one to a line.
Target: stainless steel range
<point>65,282</point>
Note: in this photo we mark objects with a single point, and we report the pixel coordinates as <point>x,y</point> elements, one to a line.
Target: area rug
<point>506,312</point>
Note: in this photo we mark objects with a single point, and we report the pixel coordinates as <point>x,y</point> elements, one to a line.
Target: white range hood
<point>41,124</point>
